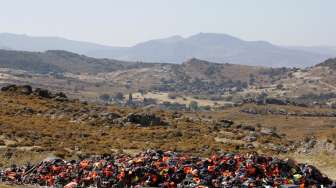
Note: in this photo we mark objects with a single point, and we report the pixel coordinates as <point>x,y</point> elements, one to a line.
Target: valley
<point>212,85</point>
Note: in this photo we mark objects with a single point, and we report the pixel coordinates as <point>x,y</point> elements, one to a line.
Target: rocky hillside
<point>331,63</point>
<point>36,123</point>
<point>192,76</point>
<point>82,76</point>
<point>314,82</point>
<point>52,118</point>
<point>197,76</point>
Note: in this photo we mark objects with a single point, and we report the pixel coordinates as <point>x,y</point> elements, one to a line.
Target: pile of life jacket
<point>154,168</point>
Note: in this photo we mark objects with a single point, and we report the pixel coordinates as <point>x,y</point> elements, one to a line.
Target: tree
<point>119,96</point>
<point>193,105</point>
<point>130,98</point>
<point>105,97</point>
<point>141,91</point>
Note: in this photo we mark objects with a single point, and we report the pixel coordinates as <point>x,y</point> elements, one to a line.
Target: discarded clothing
<point>167,169</point>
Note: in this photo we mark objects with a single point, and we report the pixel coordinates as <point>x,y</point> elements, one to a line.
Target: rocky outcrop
<point>144,119</point>
<point>252,137</point>
<point>274,101</point>
<point>25,89</point>
<point>280,111</point>
<point>224,123</point>
<point>28,90</point>
<point>312,145</point>
<point>141,119</point>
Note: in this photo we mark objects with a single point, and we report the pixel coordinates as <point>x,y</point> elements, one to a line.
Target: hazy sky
<point>126,22</point>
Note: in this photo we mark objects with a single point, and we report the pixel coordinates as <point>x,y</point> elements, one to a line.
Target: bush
<point>172,95</point>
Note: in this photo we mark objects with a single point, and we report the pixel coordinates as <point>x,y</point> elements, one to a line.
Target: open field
<point>180,99</point>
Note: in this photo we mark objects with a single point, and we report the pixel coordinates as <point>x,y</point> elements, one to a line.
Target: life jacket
<point>154,178</point>
<point>50,179</point>
<point>84,164</point>
<point>276,171</point>
<point>165,159</point>
<point>227,173</point>
<point>121,176</point>
<point>197,180</point>
<point>93,174</point>
<point>71,185</point>
<point>108,172</point>
<point>56,169</point>
<point>211,168</point>
<point>187,170</point>
<point>63,175</point>
<point>214,158</point>
<point>11,175</point>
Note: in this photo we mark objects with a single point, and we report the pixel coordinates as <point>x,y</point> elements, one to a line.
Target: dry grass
<point>294,127</point>
<point>180,99</point>
<point>191,134</point>
<point>64,138</point>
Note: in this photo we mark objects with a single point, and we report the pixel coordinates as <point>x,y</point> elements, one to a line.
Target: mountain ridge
<point>214,47</point>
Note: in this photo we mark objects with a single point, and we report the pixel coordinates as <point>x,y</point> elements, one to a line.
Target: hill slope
<point>192,76</point>
<point>57,61</point>
<point>91,77</point>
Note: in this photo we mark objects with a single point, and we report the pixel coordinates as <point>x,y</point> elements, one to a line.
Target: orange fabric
<point>187,170</point>
<point>56,168</point>
<point>84,164</point>
<point>165,159</point>
<point>211,168</point>
<point>197,180</point>
<point>226,174</point>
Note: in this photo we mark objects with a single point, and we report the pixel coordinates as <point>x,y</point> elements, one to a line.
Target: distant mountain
<point>3,47</point>
<point>326,50</point>
<point>29,43</point>
<point>213,47</point>
<point>220,48</point>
